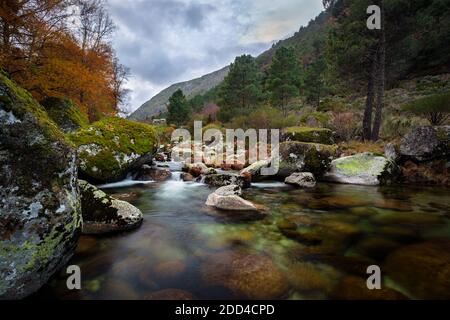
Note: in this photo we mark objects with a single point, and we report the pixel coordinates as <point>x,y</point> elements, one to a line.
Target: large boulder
<point>148,173</point>
<point>307,134</point>
<point>228,198</point>
<point>305,157</point>
<point>422,270</point>
<point>112,147</point>
<point>425,144</point>
<point>103,214</point>
<point>40,216</point>
<point>65,114</point>
<point>362,169</point>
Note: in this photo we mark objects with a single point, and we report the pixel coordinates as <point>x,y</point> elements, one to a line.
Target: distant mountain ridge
<point>304,42</point>
<point>158,104</point>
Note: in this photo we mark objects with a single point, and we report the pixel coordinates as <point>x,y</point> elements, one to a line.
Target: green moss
<point>355,166</point>
<point>312,135</point>
<point>21,103</point>
<point>114,138</point>
<point>65,113</point>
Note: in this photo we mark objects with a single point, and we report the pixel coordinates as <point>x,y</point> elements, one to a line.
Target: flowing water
<point>303,246</point>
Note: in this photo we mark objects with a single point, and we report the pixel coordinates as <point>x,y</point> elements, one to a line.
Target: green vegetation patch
<point>65,113</point>
<point>306,134</point>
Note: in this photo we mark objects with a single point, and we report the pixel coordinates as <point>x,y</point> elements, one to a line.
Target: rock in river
<point>40,216</point>
<point>110,148</point>
<point>422,269</point>
<point>301,179</point>
<point>363,169</point>
<point>305,157</point>
<point>226,179</point>
<point>227,198</point>
<point>104,214</point>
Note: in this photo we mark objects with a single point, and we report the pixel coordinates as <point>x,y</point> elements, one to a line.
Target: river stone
<point>195,169</point>
<point>362,169</point>
<point>426,143</point>
<point>148,173</point>
<point>301,179</point>
<point>170,294</point>
<point>254,170</point>
<point>225,179</point>
<point>250,276</point>
<point>40,216</point>
<point>104,214</point>
<point>355,288</point>
<point>305,157</point>
<point>229,202</point>
<point>422,269</point>
<point>112,147</point>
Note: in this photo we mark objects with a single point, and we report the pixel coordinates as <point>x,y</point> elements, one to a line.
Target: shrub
<point>346,125</point>
<point>434,108</point>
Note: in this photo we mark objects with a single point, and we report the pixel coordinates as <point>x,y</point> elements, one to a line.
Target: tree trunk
<point>367,121</point>
<point>381,79</point>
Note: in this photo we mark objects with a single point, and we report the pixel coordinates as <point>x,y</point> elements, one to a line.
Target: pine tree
<point>283,80</point>
<point>241,89</point>
<point>178,108</point>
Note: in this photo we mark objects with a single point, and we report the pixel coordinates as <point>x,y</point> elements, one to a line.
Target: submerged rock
<point>301,179</point>
<point>426,143</point>
<point>112,147</point>
<point>65,114</point>
<point>306,134</point>
<point>249,276</point>
<point>305,157</point>
<point>104,214</point>
<point>227,198</point>
<point>170,294</point>
<point>362,169</point>
<point>40,216</point>
<point>422,269</point>
<point>355,288</point>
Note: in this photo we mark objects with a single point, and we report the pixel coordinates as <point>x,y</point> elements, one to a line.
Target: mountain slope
<point>158,104</point>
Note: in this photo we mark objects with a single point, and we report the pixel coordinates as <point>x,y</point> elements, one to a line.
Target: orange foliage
<point>53,63</point>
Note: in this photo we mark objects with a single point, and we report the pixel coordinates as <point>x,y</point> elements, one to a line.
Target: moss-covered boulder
<point>363,169</point>
<point>422,270</point>
<point>307,134</point>
<point>110,148</point>
<point>40,217</point>
<point>65,114</point>
<point>305,157</point>
<point>103,214</point>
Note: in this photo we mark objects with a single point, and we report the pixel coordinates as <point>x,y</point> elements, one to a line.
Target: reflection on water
<point>310,244</point>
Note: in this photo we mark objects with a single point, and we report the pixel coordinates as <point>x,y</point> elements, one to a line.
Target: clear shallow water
<point>305,245</point>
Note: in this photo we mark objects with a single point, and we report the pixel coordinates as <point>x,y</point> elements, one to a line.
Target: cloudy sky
<point>168,41</point>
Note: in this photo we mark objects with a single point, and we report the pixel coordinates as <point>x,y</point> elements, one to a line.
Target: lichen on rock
<point>40,217</point>
<point>112,147</point>
<point>104,214</point>
<point>300,157</point>
<point>362,169</point>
